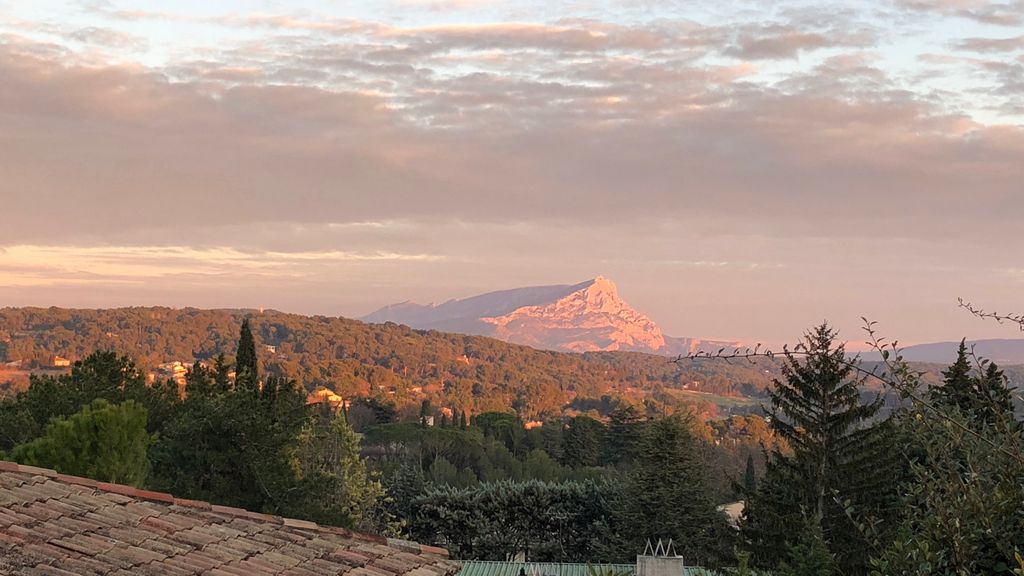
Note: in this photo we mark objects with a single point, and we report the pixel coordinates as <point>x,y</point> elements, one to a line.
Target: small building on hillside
<point>324,395</point>
<point>60,362</point>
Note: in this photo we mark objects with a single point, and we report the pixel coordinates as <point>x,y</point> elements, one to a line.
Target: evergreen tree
<point>337,488</point>
<point>625,428</point>
<point>668,496</point>
<point>246,369</point>
<point>995,403</point>
<point>840,457</point>
<point>985,399</point>
<point>809,556</point>
<point>957,383</point>
<point>462,420</point>
<point>749,478</point>
<point>102,441</point>
<point>582,442</point>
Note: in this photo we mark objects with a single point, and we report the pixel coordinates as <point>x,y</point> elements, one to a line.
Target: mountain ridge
<point>588,316</point>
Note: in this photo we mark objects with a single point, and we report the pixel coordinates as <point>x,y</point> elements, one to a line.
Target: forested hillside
<point>463,373</point>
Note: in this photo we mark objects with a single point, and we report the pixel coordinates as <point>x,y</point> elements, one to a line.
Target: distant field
<point>716,399</point>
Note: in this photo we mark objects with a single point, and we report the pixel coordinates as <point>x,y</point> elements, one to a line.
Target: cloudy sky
<point>739,168</point>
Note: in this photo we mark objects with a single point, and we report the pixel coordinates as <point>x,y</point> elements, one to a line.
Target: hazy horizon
<point>740,171</point>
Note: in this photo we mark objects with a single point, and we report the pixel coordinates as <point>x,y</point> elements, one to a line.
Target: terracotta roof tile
<point>54,524</point>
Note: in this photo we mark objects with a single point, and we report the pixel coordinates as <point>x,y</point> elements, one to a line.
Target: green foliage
<point>544,521</point>
<point>102,375</point>
<point>101,441</point>
<point>668,496</point>
<point>809,556</point>
<point>234,448</point>
<point>336,486</point>
<point>985,398</point>
<point>750,478</point>
<point>582,442</point>
<point>624,433</point>
<point>841,467</point>
<point>961,511</point>
<point>246,365</point>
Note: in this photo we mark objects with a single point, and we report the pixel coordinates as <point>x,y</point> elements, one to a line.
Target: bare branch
<point>1017,319</point>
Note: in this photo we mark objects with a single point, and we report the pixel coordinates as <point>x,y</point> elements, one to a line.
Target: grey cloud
<point>108,38</point>
<point>995,13</point>
<point>509,150</point>
<point>1010,44</point>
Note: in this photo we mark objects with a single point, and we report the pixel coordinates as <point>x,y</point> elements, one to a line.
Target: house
<point>325,395</point>
<point>59,362</point>
<point>62,525</point>
<point>733,512</point>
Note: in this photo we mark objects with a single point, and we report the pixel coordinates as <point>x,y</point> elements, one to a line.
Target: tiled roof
<point>52,524</point>
<point>493,568</point>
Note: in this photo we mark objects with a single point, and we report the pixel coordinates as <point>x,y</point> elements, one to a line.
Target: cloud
<point>777,41</point>
<point>996,13</point>
<point>1011,44</point>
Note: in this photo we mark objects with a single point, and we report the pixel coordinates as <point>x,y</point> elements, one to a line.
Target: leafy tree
<point>961,498</point>
<point>841,460</point>
<point>102,441</point>
<point>543,521</point>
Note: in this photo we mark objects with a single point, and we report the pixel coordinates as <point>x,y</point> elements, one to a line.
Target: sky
<point>740,169</point>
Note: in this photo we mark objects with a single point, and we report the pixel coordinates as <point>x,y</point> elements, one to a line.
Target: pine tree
<point>102,441</point>
<point>985,398</point>
<point>840,457</point>
<point>246,369</point>
<point>957,383</point>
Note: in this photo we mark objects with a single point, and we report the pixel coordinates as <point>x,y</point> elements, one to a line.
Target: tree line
<point>841,486</point>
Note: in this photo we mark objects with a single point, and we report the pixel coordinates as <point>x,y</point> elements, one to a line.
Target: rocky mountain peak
<point>591,318</point>
<point>584,317</point>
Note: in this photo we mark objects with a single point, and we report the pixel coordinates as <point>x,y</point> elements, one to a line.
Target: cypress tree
<point>749,478</point>
<point>246,370</point>
<point>840,458</point>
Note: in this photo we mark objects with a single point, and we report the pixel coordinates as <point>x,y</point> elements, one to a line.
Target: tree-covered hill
<point>462,373</point>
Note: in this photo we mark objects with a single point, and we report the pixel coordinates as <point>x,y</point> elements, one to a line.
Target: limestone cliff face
<point>585,317</point>
<point>591,318</point>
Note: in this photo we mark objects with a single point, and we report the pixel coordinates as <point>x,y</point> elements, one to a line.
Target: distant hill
<point>1005,351</point>
<point>585,317</point>
<point>388,361</point>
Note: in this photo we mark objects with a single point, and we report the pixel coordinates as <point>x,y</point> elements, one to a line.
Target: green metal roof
<point>493,568</point>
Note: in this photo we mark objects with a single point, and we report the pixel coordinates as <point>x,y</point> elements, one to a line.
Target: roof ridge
<point>153,496</point>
